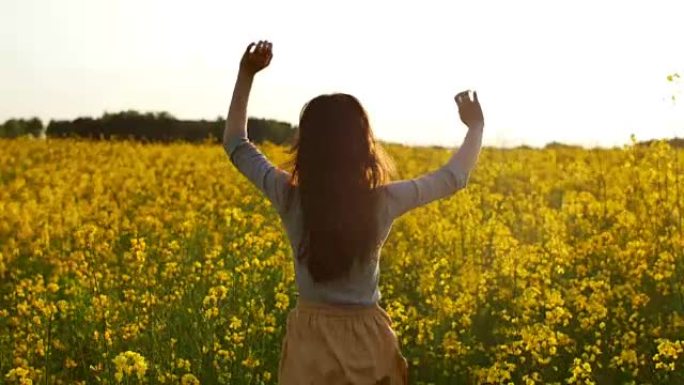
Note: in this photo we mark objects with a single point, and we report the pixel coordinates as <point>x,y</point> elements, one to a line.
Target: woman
<point>337,207</point>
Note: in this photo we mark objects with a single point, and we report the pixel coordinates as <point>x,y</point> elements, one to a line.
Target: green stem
<point>47,351</point>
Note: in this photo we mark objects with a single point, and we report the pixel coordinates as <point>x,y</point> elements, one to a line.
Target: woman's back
<point>360,286</point>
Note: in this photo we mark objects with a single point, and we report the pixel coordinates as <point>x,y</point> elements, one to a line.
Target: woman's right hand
<point>470,110</point>
<point>254,61</point>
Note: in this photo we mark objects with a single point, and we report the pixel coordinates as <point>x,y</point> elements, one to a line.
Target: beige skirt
<point>347,344</point>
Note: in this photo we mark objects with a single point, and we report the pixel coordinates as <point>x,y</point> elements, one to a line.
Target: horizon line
<point>496,143</point>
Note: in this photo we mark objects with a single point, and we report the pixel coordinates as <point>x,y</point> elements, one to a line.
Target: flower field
<point>123,262</point>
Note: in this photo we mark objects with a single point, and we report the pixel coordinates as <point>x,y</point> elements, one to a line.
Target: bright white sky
<point>581,71</point>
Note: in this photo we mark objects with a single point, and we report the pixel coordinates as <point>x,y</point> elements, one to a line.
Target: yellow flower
<point>128,363</point>
<point>282,301</point>
<point>189,379</point>
<point>19,374</point>
<point>251,362</point>
<point>52,287</point>
<point>183,364</point>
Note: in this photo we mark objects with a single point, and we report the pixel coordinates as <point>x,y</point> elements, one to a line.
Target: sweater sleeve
<point>404,195</point>
<point>252,163</point>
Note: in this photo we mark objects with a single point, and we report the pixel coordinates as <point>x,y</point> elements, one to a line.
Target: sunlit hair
<point>337,165</point>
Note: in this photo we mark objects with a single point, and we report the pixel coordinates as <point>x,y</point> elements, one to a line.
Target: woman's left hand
<point>255,60</point>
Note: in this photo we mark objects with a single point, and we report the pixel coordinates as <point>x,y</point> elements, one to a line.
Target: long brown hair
<point>337,166</point>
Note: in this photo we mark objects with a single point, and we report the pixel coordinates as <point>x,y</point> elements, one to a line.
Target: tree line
<point>150,127</point>
<point>20,127</point>
<point>163,127</point>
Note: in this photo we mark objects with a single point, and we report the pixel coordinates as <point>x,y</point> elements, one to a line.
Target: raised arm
<point>270,180</point>
<point>404,195</point>
<point>251,63</point>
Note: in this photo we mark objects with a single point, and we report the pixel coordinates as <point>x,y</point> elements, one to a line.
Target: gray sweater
<point>396,198</point>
